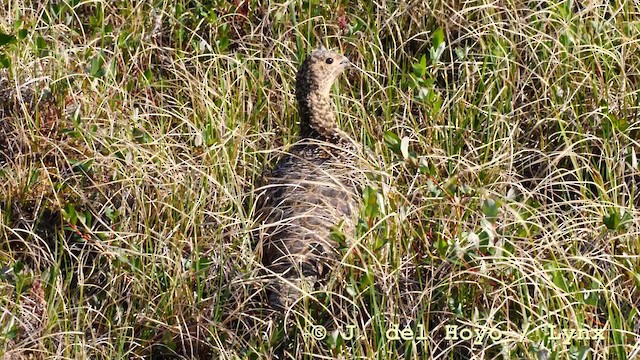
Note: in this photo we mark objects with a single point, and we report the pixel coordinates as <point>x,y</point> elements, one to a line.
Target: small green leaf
<point>96,70</point>
<point>451,185</point>
<point>380,243</point>
<point>18,24</point>
<point>371,209</point>
<point>423,94</point>
<point>223,43</point>
<point>33,179</point>
<point>436,52</point>
<point>5,62</point>
<point>560,280</point>
<point>483,241</point>
<point>41,44</point>
<point>12,333</point>
<point>490,208</point>
<point>336,234</point>
<point>442,246</point>
<point>141,136</point>
<point>167,340</point>
<point>614,220</point>
<point>22,33</point>
<point>393,141</point>
<point>17,267</point>
<point>82,217</point>
<point>438,38</point>
<point>437,105</point>
<point>404,147</point>
<point>95,22</point>
<point>417,70</point>
<point>109,213</point>
<point>81,166</point>
<point>620,124</point>
<point>6,39</point>
<point>69,214</point>
<point>611,220</point>
<point>148,75</point>
<point>433,188</point>
<point>420,68</point>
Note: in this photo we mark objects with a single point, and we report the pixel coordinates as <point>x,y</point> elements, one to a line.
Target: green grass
<point>501,152</point>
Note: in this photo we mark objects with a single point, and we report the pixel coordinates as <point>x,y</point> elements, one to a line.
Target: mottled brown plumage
<point>312,190</point>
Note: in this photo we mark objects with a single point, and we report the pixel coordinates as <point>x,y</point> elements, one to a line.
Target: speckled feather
<point>312,190</point>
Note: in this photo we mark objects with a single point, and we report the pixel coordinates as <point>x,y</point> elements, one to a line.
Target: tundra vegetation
<point>502,137</point>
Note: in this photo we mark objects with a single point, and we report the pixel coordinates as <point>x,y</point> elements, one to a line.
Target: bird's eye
<point>329,61</point>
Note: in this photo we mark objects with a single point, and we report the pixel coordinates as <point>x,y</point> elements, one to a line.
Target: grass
<point>501,147</point>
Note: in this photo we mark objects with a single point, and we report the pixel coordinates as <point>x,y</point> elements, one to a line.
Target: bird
<point>311,196</point>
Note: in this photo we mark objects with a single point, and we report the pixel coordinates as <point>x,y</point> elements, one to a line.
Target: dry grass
<point>501,152</point>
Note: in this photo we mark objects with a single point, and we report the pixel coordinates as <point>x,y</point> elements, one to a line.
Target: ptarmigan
<point>312,191</point>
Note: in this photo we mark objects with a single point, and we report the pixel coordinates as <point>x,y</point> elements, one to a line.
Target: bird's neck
<point>317,117</point>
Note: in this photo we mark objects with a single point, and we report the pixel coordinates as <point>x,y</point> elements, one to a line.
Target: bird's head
<point>320,70</point>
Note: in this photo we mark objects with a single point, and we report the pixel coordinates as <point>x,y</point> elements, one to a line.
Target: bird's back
<point>310,193</point>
